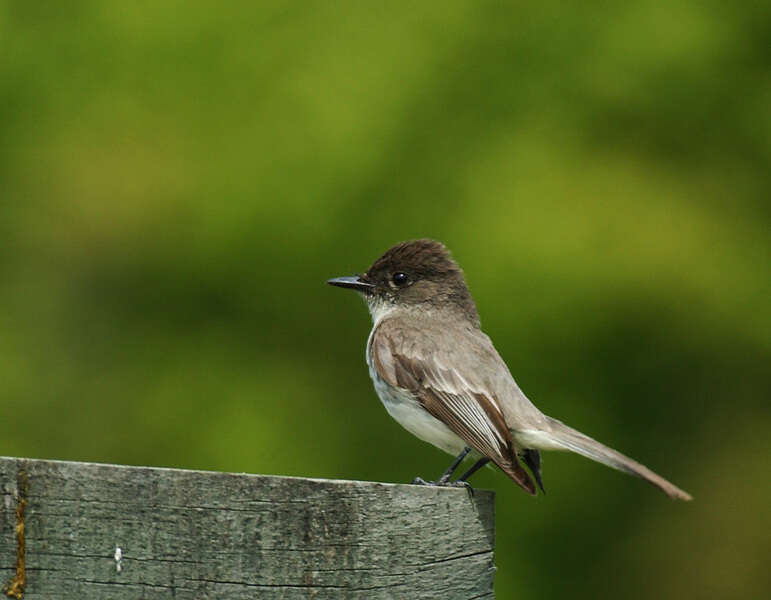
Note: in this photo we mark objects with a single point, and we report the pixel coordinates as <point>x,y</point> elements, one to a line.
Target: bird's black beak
<point>355,283</point>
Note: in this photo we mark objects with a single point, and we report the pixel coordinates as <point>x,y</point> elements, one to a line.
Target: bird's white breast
<point>408,412</point>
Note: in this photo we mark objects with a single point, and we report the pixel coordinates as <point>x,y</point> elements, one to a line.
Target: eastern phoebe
<point>440,377</point>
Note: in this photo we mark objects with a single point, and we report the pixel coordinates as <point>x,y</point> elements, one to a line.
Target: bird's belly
<point>403,407</point>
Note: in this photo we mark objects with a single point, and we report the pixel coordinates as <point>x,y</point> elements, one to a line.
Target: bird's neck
<point>452,312</point>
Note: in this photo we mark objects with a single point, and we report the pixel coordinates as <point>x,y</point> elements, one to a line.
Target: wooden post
<point>107,532</point>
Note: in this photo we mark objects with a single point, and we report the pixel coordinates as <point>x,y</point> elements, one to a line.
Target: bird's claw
<point>445,483</point>
<point>421,481</point>
<point>464,484</point>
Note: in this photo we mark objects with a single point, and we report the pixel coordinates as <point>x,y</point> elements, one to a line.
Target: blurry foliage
<point>177,180</point>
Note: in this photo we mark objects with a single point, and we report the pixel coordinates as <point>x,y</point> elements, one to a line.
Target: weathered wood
<point>114,532</point>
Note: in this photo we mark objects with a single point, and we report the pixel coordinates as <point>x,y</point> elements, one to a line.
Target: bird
<point>439,375</point>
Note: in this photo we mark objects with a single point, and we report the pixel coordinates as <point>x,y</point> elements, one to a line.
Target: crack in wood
<point>15,586</point>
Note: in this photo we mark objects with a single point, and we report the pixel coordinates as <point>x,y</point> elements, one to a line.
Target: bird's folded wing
<point>470,413</point>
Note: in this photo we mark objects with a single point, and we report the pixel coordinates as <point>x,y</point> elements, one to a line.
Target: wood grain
<point>114,532</point>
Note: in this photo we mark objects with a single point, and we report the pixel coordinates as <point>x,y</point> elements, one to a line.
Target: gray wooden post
<point>92,531</point>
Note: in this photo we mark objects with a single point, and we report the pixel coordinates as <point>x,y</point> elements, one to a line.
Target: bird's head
<point>414,274</point>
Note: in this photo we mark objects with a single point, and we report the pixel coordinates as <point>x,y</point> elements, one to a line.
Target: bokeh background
<point>178,179</point>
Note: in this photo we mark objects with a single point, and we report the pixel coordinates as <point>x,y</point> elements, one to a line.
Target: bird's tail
<point>563,437</point>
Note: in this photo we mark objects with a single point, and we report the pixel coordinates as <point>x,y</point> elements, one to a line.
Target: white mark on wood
<point>10,494</point>
<point>118,559</point>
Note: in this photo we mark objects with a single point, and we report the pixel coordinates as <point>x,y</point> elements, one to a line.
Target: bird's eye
<point>400,278</point>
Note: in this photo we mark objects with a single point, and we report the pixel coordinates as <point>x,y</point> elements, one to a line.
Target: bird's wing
<point>469,411</point>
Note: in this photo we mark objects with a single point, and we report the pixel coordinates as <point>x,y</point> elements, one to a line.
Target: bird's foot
<point>462,484</point>
<point>421,481</point>
<point>442,482</point>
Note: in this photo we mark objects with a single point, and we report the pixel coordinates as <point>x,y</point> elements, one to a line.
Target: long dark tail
<point>575,441</point>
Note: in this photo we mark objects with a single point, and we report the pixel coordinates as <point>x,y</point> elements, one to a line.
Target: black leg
<point>454,465</point>
<point>477,465</point>
<point>445,478</point>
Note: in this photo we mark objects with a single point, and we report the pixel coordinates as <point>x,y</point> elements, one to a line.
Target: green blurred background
<point>178,179</point>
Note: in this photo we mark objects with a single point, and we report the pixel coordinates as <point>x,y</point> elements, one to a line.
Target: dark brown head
<point>418,273</point>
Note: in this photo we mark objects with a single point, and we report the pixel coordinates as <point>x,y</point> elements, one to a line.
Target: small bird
<point>438,374</point>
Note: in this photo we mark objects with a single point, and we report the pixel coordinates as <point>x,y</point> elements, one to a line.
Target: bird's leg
<point>454,465</point>
<point>445,478</point>
<point>477,465</point>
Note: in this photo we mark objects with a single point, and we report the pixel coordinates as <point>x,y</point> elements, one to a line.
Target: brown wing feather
<point>471,415</point>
